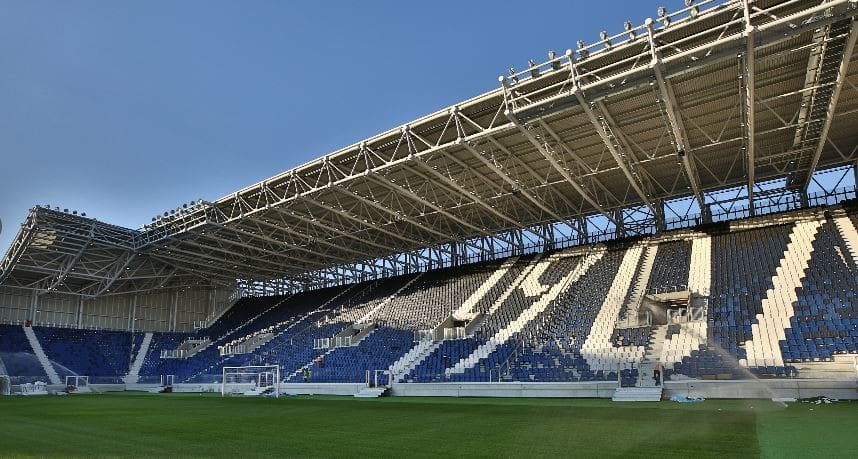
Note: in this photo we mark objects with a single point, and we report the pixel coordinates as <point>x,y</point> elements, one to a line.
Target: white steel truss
<point>602,141</point>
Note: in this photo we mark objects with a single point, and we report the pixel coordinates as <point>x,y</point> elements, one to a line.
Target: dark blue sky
<point>125,109</point>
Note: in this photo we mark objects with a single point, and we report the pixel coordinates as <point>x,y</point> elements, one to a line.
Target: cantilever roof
<point>653,113</point>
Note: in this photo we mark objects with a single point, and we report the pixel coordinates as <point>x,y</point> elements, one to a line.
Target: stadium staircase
<point>639,286</point>
<point>134,372</point>
<point>3,370</point>
<point>777,306</point>
<point>369,315</point>
<point>700,271</point>
<point>849,234</point>
<point>637,394</point>
<point>297,372</point>
<point>682,340</point>
<point>484,289</point>
<point>53,376</point>
<point>654,351</point>
<point>598,349</point>
<point>408,362</point>
<point>371,392</point>
<point>546,295</point>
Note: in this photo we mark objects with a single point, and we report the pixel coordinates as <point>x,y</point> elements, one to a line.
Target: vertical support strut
<point>750,33</point>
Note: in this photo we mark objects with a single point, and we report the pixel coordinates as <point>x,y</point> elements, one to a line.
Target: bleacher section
<point>18,357</point>
<point>771,294</point>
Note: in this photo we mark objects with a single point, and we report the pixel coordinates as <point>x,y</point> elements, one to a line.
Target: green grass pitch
<point>194,425</point>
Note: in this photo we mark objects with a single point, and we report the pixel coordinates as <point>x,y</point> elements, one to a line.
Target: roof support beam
<point>529,169</point>
<point>589,172</point>
<point>471,196</point>
<point>677,126</point>
<point>67,268</point>
<point>241,232</point>
<point>607,130</point>
<point>748,106</point>
<point>118,268</point>
<point>848,50</point>
<point>506,178</point>
<point>395,214</point>
<point>415,197</point>
<point>551,160</point>
<point>324,227</point>
<point>368,224</point>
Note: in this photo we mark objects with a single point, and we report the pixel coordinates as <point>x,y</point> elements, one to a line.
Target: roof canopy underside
<point>662,115</point>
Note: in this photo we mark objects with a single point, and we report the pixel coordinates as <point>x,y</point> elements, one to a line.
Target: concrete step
<point>134,372</point>
<point>371,392</point>
<point>844,366</point>
<point>637,394</point>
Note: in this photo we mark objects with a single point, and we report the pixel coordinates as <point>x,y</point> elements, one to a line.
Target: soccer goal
<point>251,380</point>
<point>77,384</point>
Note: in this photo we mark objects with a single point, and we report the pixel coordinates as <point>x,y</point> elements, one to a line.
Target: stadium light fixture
<point>582,51</point>
<point>512,75</point>
<point>630,29</point>
<point>534,69</point>
<point>663,17</point>
<point>603,35</point>
<point>694,10</point>
<point>555,64</point>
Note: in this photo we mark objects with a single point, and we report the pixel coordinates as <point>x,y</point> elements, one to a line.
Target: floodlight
<point>534,69</point>
<point>629,28</point>
<point>555,64</point>
<point>662,15</point>
<point>603,35</point>
<point>512,75</point>
<point>582,51</point>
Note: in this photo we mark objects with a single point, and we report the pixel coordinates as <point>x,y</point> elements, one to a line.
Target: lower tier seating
<point>520,331</point>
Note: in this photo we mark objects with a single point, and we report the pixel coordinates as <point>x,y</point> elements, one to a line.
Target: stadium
<point>667,214</point>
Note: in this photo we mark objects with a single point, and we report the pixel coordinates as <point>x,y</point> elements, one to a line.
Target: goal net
<point>77,384</point>
<point>251,380</point>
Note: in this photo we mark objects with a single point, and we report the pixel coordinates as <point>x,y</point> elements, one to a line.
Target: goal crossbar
<point>251,377</point>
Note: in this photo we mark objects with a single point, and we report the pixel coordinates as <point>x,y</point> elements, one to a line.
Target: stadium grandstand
<point>668,210</point>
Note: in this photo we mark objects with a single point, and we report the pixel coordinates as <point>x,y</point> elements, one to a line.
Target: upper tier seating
<point>671,267</point>
<point>826,314</point>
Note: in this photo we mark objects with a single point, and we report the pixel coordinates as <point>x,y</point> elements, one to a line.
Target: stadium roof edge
<point>465,181</point>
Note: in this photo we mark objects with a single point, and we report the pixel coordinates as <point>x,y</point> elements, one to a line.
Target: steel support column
<point>838,86</point>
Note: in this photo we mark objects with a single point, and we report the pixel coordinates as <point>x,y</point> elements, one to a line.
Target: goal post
<point>251,380</point>
<point>77,383</point>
